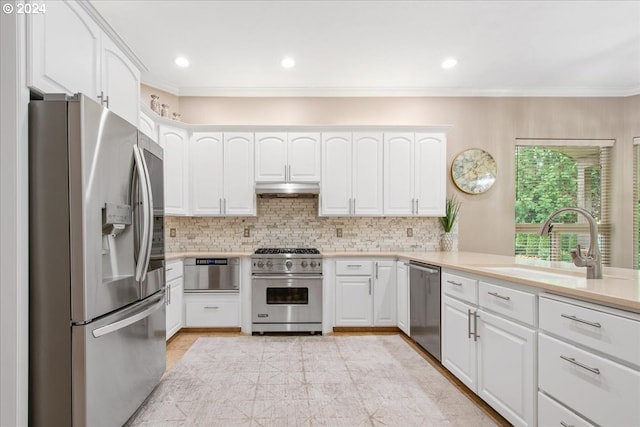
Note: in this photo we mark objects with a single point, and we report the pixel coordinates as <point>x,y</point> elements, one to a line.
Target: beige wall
<point>493,124</point>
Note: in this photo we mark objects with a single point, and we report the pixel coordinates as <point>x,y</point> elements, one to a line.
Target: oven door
<point>286,300</point>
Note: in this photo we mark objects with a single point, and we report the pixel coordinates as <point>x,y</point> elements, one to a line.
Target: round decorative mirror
<point>474,171</point>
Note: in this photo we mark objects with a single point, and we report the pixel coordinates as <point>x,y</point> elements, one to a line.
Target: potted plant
<point>452,208</point>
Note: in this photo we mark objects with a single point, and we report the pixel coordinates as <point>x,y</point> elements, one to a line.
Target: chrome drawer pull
<point>497,295</point>
<point>211,307</point>
<point>169,269</point>
<point>583,366</point>
<point>586,322</point>
<point>454,283</point>
<point>563,424</point>
<point>354,266</point>
<point>469,322</point>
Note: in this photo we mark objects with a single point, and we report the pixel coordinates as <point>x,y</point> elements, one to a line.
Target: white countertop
<point>619,286</point>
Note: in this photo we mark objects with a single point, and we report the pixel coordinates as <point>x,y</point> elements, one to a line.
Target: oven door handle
<point>286,276</point>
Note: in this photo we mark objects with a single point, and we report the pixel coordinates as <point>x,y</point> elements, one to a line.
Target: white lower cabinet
<point>402,303</point>
<point>212,310</point>
<point>365,293</point>
<point>492,355</point>
<point>506,367</point>
<point>551,413</point>
<point>174,306</point>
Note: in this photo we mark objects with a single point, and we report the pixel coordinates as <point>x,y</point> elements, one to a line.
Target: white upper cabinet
<point>335,187</point>
<point>282,157</point>
<point>148,126</point>
<point>205,170</point>
<point>398,176</point>
<point>221,174</point>
<point>415,174</point>
<point>239,184</point>
<point>367,173</point>
<point>174,141</point>
<point>69,53</point>
<point>303,157</point>
<point>120,82</point>
<point>271,157</point>
<point>351,174</point>
<point>430,176</point>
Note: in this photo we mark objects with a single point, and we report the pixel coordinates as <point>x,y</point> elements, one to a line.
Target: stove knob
<point>260,264</point>
<point>313,264</point>
<point>269,264</point>
<point>304,264</point>
<point>288,264</point>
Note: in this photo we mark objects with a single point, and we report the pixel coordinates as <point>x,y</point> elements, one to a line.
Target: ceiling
<point>384,48</point>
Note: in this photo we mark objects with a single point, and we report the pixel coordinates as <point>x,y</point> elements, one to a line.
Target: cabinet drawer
<point>601,331</point>
<point>173,270</point>
<point>551,413</point>
<point>212,312</point>
<point>354,268</point>
<point>602,390</point>
<point>516,304</point>
<point>460,287</point>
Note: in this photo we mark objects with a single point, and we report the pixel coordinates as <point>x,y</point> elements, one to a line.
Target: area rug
<point>373,380</point>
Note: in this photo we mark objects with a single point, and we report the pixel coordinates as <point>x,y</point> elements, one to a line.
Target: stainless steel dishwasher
<point>212,275</point>
<point>424,322</point>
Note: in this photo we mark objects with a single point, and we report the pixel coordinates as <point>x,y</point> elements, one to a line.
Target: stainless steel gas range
<point>286,290</point>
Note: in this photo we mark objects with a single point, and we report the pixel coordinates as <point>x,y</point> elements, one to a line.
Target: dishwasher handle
<point>425,269</point>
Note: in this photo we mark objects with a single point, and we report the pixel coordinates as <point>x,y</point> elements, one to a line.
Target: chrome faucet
<point>593,260</point>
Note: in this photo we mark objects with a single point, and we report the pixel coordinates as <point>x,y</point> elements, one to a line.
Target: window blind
<point>552,174</point>
<point>636,201</point>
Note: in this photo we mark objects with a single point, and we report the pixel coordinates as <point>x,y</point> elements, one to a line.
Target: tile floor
<point>370,380</point>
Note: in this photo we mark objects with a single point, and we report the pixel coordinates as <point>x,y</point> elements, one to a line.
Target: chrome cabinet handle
<point>582,365</point>
<point>413,206</point>
<point>469,322</point>
<point>417,206</point>
<point>369,285</point>
<point>170,269</point>
<point>285,174</point>
<point>376,270</point>
<point>289,178</point>
<point>497,295</point>
<point>354,265</point>
<point>225,205</point>
<point>475,326</point>
<point>211,307</point>
<point>563,424</point>
<point>586,322</point>
<point>220,206</point>
<point>454,283</point>
<point>354,205</point>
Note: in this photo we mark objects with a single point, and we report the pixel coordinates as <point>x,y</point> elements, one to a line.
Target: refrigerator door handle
<point>139,172</point>
<point>149,213</point>
<point>99,332</point>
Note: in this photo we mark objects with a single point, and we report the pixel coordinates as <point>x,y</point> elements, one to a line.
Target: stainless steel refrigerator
<point>96,247</point>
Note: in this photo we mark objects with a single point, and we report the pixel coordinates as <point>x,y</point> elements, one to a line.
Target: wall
<point>493,124</point>
<point>295,223</point>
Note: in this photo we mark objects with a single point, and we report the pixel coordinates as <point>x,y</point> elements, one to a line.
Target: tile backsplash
<point>283,222</point>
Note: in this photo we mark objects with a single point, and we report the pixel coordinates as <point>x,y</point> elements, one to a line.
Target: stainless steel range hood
<point>287,189</point>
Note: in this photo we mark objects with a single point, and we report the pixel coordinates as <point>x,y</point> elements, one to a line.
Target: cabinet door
<point>271,157</point>
<point>430,164</point>
<point>304,157</point>
<point>147,126</point>
<point>367,173</point>
<point>335,187</point>
<point>384,294</point>
<point>174,306</point>
<point>402,280</point>
<point>239,185</point>
<point>205,171</point>
<point>506,367</point>
<point>176,183</point>
<point>63,50</point>
<point>353,301</point>
<point>398,174</point>
<point>458,346</point>
<point>120,82</point>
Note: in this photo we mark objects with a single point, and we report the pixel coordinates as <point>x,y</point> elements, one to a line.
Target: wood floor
<point>180,343</point>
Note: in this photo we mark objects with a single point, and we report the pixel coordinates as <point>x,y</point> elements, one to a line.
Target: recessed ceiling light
<point>449,63</point>
<point>181,61</point>
<point>288,62</point>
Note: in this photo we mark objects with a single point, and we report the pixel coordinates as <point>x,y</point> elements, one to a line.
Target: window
<point>553,174</point>
<point>636,200</point>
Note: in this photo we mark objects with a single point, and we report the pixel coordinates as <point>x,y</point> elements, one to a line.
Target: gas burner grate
<point>296,251</point>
